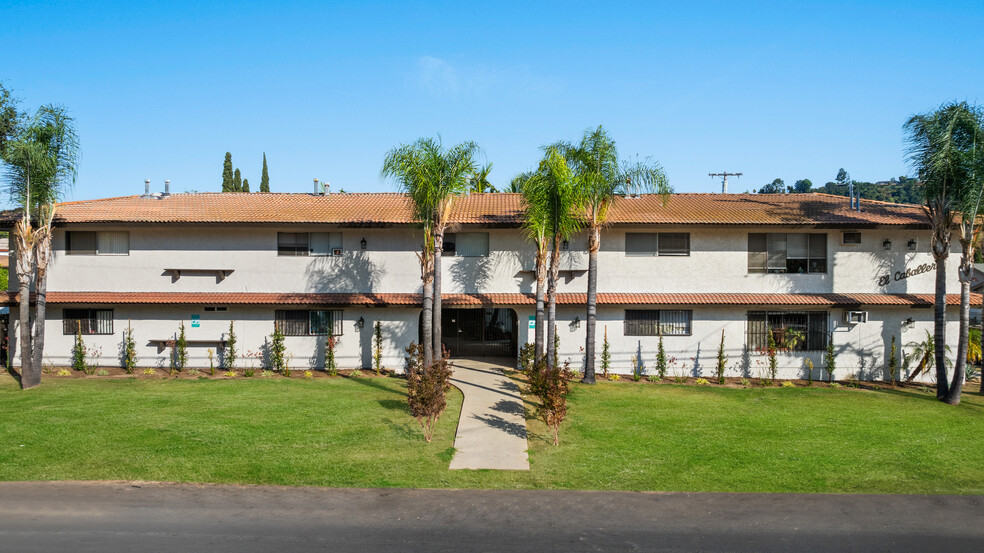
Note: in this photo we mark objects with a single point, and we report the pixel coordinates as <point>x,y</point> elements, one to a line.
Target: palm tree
<point>41,164</point>
<point>479,182</point>
<point>925,355</point>
<point>535,227</point>
<point>554,197</point>
<point>942,146</point>
<point>432,176</point>
<point>601,178</point>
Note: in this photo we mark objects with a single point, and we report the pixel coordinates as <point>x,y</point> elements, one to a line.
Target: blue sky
<point>789,90</point>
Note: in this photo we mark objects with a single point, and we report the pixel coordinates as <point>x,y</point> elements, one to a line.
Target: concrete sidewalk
<point>492,428</point>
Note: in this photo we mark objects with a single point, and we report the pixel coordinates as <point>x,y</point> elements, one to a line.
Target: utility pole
<point>724,179</point>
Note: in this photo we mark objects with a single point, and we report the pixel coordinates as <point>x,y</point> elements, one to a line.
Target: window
<point>657,243</point>
<point>309,243</point>
<point>851,238</point>
<point>110,242</point>
<point>466,244</point>
<point>87,321</point>
<point>653,322</point>
<point>212,308</point>
<point>314,322</point>
<point>787,253</point>
<point>791,330</point>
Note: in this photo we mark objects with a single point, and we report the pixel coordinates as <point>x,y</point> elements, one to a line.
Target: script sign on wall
<point>884,280</point>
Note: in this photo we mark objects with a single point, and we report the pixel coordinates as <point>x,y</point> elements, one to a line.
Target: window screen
<point>87,321</point>
<point>640,243</point>
<point>292,243</point>
<point>674,243</point>
<point>113,243</point>
<point>448,247</point>
<point>653,322</point>
<point>472,244</point>
<point>791,330</point>
<point>303,322</point>
<point>80,243</point>
<point>326,243</point>
<point>787,253</point>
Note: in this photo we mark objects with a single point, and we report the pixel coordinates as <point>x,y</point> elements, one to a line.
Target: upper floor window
<point>309,322</point>
<point>309,243</point>
<point>87,321</point>
<point>466,244</point>
<point>104,242</point>
<point>787,253</point>
<point>791,330</point>
<point>657,243</point>
<point>653,322</point>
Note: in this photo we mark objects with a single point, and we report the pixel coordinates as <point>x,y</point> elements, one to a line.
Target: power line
<point>724,179</point>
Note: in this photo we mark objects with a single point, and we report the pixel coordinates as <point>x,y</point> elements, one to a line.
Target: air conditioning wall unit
<point>855,317</point>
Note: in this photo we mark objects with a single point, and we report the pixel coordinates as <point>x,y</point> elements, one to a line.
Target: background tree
<point>843,177</point>
<point>9,117</point>
<point>479,182</point>
<point>237,181</point>
<point>803,186</point>
<point>245,185</point>
<point>600,178</point>
<point>940,146</point>
<point>775,187</point>
<point>264,176</point>
<point>227,173</point>
<point>41,163</point>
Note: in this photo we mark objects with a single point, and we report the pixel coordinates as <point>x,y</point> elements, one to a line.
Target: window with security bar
<point>791,330</point>
<point>309,322</point>
<point>87,321</point>
<point>653,322</point>
<point>794,253</point>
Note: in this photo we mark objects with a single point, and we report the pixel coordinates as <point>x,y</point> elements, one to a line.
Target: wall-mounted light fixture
<point>567,245</point>
<point>908,321</point>
<point>363,243</point>
<point>360,323</point>
<point>887,244</point>
<point>912,244</point>
<point>576,323</point>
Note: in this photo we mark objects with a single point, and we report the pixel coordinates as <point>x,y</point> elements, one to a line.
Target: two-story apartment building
<point>320,265</point>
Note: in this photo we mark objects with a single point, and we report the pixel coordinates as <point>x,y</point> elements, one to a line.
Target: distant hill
<point>903,190</point>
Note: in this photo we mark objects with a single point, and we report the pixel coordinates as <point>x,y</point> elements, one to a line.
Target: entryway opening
<point>479,332</point>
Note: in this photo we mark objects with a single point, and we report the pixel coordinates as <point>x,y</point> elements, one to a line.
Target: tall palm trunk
<point>438,250</point>
<point>24,240</point>
<point>427,314</point>
<point>541,280</point>
<point>965,273</point>
<point>939,329</point>
<point>594,244</point>
<point>42,256</point>
<point>552,301</point>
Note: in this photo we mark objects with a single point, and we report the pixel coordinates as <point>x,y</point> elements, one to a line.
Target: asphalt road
<point>124,516</point>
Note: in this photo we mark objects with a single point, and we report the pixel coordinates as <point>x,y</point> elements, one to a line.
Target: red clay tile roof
<point>374,209</point>
<point>453,300</point>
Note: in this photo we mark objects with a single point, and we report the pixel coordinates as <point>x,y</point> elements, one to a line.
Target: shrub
<point>230,374</point>
<point>78,353</point>
<point>102,372</point>
<point>64,372</point>
<point>308,374</point>
<point>829,360</point>
<point>613,377</point>
<point>278,351</point>
<point>331,367</point>
<point>129,350</point>
<point>701,382</point>
<point>835,385</point>
<point>356,373</point>
<point>149,371</point>
<point>526,355</point>
<point>606,355</point>
<point>194,372</point>
<point>638,369</point>
<point>653,378</point>
<point>550,387</point>
<point>788,384</point>
<point>211,362</point>
<point>773,362</point>
<point>661,358</point>
<point>808,364</point>
<point>722,360</point>
<point>230,348</point>
<point>181,349</point>
<point>426,387</point>
<point>745,382</point>
<point>893,362</point>
<point>248,373</point>
<point>377,348</point>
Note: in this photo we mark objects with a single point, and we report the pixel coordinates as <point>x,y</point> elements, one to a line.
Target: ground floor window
<point>791,330</point>
<point>87,321</point>
<point>309,322</point>
<point>653,322</point>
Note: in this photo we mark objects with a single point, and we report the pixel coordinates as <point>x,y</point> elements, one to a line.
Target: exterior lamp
<point>576,323</point>
<point>908,321</point>
<point>887,244</point>
<point>567,244</point>
<point>363,243</point>
<point>361,322</point>
<point>912,244</point>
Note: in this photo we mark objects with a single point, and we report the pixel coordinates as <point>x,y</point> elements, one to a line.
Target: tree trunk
<point>24,243</point>
<point>541,282</point>
<point>965,272</point>
<point>427,315</point>
<point>939,329</point>
<point>552,301</point>
<point>594,243</point>
<point>438,251</point>
<point>42,255</point>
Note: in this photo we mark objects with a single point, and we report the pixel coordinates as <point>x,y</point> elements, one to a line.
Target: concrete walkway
<point>492,428</point>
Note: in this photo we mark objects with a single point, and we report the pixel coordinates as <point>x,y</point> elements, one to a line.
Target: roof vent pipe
<point>167,187</point>
<point>147,187</point>
<point>317,189</point>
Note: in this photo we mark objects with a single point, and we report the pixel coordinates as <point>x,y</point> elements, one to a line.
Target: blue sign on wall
<point>196,321</point>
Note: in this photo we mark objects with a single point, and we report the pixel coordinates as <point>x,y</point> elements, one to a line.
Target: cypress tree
<point>227,173</point>
<point>265,177</point>
<point>237,182</point>
<point>245,185</point>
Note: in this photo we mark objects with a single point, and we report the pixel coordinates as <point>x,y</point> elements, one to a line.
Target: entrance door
<point>484,332</point>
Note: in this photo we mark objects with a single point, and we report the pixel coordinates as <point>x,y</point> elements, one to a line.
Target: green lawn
<point>356,432</point>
